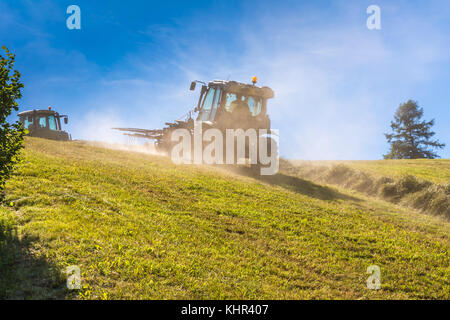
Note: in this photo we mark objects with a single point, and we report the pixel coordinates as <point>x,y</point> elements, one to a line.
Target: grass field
<point>141,227</point>
<point>434,170</point>
<point>419,184</point>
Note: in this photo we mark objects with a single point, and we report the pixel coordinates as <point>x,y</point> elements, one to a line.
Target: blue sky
<point>337,84</point>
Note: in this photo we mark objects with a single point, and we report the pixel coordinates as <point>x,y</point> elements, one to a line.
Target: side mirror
<point>192,87</point>
<point>66,120</point>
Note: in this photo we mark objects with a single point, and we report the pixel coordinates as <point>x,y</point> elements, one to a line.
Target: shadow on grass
<point>292,183</point>
<point>23,276</point>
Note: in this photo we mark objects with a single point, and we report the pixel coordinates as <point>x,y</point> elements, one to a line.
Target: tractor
<point>221,105</point>
<point>45,124</point>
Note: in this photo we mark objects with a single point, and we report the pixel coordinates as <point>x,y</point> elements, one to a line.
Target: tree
<point>410,137</point>
<point>11,135</point>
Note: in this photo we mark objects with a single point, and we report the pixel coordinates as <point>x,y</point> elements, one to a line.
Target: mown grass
<point>434,170</point>
<point>399,184</point>
<point>141,227</point>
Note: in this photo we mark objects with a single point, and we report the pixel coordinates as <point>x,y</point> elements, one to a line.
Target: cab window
<point>254,105</point>
<point>27,124</point>
<point>209,105</point>
<point>52,123</point>
<point>215,104</point>
<point>229,98</point>
<point>43,122</point>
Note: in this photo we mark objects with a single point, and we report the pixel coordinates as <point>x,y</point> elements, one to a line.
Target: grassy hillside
<point>419,184</point>
<point>141,227</point>
<point>435,170</point>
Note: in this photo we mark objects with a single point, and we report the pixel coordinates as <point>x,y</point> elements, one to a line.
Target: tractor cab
<point>232,104</point>
<point>45,124</point>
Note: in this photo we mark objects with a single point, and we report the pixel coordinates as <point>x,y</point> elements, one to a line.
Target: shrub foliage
<point>11,135</point>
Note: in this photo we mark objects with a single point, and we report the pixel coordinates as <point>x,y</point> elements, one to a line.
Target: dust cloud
<point>96,129</point>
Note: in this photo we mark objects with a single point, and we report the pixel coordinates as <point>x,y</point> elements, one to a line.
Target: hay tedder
<point>221,105</point>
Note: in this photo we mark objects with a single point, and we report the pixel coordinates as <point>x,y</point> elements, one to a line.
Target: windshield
<point>209,106</point>
<point>254,103</point>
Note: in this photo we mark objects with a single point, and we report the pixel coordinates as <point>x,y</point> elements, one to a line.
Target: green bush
<point>11,135</point>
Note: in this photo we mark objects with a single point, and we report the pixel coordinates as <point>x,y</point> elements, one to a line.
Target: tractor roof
<point>37,111</point>
<point>243,88</point>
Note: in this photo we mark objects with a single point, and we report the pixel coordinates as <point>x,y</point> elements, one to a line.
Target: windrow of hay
<point>408,190</point>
